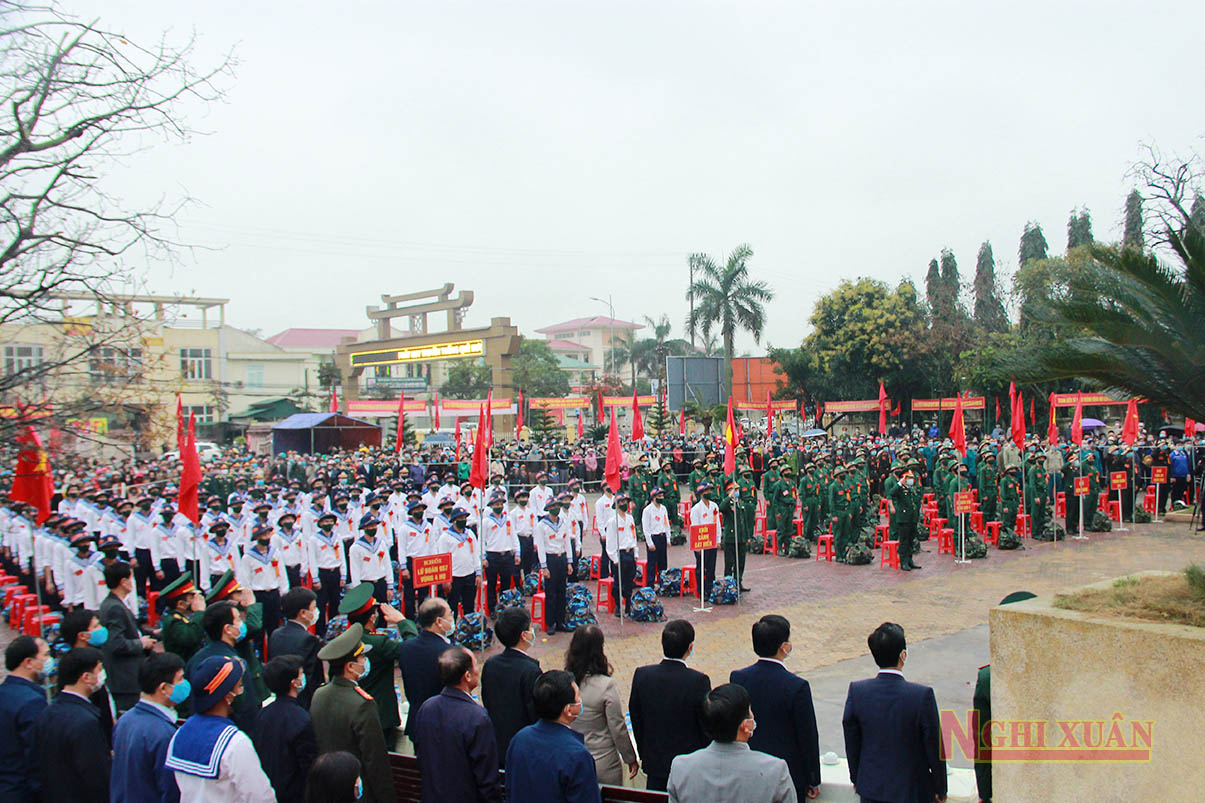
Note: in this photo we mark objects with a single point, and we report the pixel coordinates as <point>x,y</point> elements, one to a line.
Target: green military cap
<point>746,469</point>
<point>347,644</point>
<point>788,470</point>
<point>839,470</point>
<point>181,586</point>
<point>917,463</point>
<point>223,589</point>
<point>357,600</point>
<point>988,455</point>
<point>897,464</point>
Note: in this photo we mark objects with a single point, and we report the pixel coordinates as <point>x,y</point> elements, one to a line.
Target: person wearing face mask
<point>892,732</point>
<point>782,704</point>
<point>224,625</point>
<point>22,700</point>
<point>548,762</point>
<point>345,716</point>
<point>706,511</point>
<point>419,658</point>
<point>360,607</point>
<point>284,734</point>
<point>300,608</point>
<point>727,769</point>
<point>141,542</point>
<point>265,575</point>
<point>81,628</point>
<point>183,606</point>
<point>141,738</point>
<point>72,748</point>
<point>905,517</point>
<point>507,679</point>
<point>126,647</point>
<point>210,757</point>
<point>326,567</point>
<point>463,544</point>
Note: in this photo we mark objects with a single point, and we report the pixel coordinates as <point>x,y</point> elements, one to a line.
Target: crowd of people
<point>286,544</point>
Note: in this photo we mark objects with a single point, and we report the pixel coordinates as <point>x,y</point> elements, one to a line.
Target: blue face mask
<point>359,788</point>
<point>367,666</point>
<point>180,692</point>
<point>242,630</point>
<point>50,667</point>
<point>302,686</point>
<point>99,636</point>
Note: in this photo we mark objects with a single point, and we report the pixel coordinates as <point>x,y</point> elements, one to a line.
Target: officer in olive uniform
<point>345,715</point>
<point>182,632</point>
<point>731,503</point>
<point>840,504</point>
<point>1010,497</point>
<point>697,476</point>
<point>988,492</point>
<point>1037,493</point>
<point>809,500</point>
<point>890,482</point>
<point>668,483</point>
<point>360,607</point>
<point>227,588</point>
<point>905,496</point>
<point>639,485</point>
<point>780,514</point>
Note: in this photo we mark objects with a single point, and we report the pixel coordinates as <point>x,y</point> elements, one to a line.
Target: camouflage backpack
<point>530,584</point>
<point>1101,523</point>
<point>677,538</point>
<point>583,567</point>
<point>800,548</point>
<point>335,627</point>
<point>510,598</point>
<point>723,592</point>
<point>1009,540</point>
<point>974,547</point>
<point>1141,516</point>
<point>646,607</point>
<point>471,632</point>
<point>1053,532</point>
<point>670,583</point>
<point>858,554</point>
<point>579,609</point>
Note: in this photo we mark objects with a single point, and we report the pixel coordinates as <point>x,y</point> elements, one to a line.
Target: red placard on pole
<point>431,570</point>
<point>964,502</point>
<point>1159,474</point>
<point>703,536</point>
<point>1082,485</point>
<point>1118,481</point>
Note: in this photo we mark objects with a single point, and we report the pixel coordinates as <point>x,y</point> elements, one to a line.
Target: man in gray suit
<point>727,770</point>
<point>126,647</point>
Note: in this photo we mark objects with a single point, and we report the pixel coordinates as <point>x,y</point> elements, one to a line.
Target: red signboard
<point>1118,481</point>
<point>702,536</point>
<point>1082,485</point>
<point>1158,474</point>
<point>964,502</point>
<point>431,570</point>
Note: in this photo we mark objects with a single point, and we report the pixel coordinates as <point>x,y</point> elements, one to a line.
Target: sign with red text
<point>1118,481</point>
<point>1082,485</point>
<point>703,536</point>
<point>964,502</point>
<point>431,570</point>
<point>1158,474</point>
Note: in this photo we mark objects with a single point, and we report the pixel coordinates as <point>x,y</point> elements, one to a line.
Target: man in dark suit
<point>125,647</point>
<point>419,658</point>
<point>508,678</point>
<point>892,731</point>
<point>22,700</point>
<point>300,609</point>
<point>224,625</point>
<point>284,733</point>
<point>667,705</point>
<point>72,749</point>
<point>454,738</point>
<point>782,706</point>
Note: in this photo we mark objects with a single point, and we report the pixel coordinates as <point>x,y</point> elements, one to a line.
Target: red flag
<point>884,403</point>
<point>1129,430</point>
<point>437,412</point>
<point>181,433</point>
<point>769,415</point>
<point>519,419</point>
<point>581,432</point>
<point>34,481</point>
<point>896,412</point>
<point>997,408</point>
<point>819,413</point>
<point>456,437</point>
<point>601,411</point>
<point>1033,419</point>
<point>1012,396</point>
<point>637,421</point>
<point>729,443</point>
<point>611,467</point>
<point>957,431</point>
<point>401,419</point>
<point>334,400</point>
<point>1190,428</point>
<point>682,421</point>
<point>1052,432</point>
<point>480,471</point>
<point>1077,425</point>
<point>1018,421</point>
<point>188,499</point>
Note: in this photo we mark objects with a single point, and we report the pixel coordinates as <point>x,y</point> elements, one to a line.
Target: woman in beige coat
<point>601,721</point>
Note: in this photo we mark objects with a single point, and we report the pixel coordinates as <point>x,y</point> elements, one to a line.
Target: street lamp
<point>611,311</point>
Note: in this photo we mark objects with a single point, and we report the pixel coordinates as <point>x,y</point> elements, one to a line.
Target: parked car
<point>206,450</point>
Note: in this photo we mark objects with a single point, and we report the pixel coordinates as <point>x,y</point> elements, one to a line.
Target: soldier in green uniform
<point>839,503</point>
<point>183,607</point>
<point>747,504</point>
<point>1010,497</point>
<point>941,478</point>
<point>359,606</point>
<point>989,493</point>
<point>771,475</point>
<point>890,482</point>
<point>345,715</point>
<point>731,505</point>
<point>697,476</point>
<point>639,485</point>
<point>824,475</point>
<point>668,483</point>
<point>1037,494</point>
<point>780,512</point>
<point>809,500</point>
<point>905,497</point>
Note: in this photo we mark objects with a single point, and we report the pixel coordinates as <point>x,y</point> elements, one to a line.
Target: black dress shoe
<point>913,566</point>
<point>905,568</point>
<point>745,590</point>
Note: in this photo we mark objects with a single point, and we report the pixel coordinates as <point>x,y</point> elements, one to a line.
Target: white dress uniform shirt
<point>604,511</point>
<point>326,552</point>
<point>466,556</point>
<point>240,777</point>
<point>370,560</point>
<point>414,540</point>
<point>75,589</point>
<point>163,544</point>
<point>217,559</point>
<point>552,538</point>
<point>499,534</point>
<point>579,517</point>
<point>138,531</point>
<point>706,512</point>
<point>308,520</point>
<point>621,535</point>
<point>469,503</point>
<point>290,545</point>
<point>95,589</point>
<point>187,542</point>
<point>523,521</point>
<point>22,541</point>
<point>654,521</point>
<point>264,571</point>
<point>539,498</point>
<point>431,499</point>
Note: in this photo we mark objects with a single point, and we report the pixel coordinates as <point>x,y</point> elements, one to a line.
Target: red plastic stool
<point>993,533</point>
<point>606,595</point>
<point>890,555</point>
<point>12,591</point>
<point>1148,502</point>
<point>771,537</point>
<point>1024,525</point>
<point>537,611</point>
<point>7,580</point>
<point>690,582</point>
<point>824,548</point>
<point>34,628</point>
<point>1060,505</point>
<point>798,525</point>
<point>1115,510</point>
<point>935,526</point>
<point>759,525</point>
<point>945,541</point>
<point>29,620</point>
<point>152,609</point>
<point>595,567</point>
<point>881,531</point>
<point>929,499</point>
<point>16,614</point>
<point>884,509</point>
<point>977,522</point>
<point>644,572</point>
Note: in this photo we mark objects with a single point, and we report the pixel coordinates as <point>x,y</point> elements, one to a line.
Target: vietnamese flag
<point>637,421</point>
<point>519,419</point>
<point>334,400</point>
<point>1033,419</point>
<point>884,403</point>
<point>1052,432</point>
<point>188,499</point>
<point>729,443</point>
<point>611,471</point>
<point>997,408</point>
<point>769,415</point>
<point>957,431</point>
<point>401,419</point>
<point>599,417</point>
<point>1129,430</point>
<point>1018,421</point>
<point>580,429</point>
<point>480,471</point>
<point>34,481</point>
<point>457,439</point>
<point>1077,425</point>
<point>1190,428</point>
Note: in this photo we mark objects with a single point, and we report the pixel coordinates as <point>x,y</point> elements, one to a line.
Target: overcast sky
<point>540,153</point>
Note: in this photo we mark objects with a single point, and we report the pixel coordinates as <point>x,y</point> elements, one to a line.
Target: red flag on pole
<point>729,443</point>
<point>1077,424</point>
<point>896,412</point>
<point>1129,429</point>
<point>1012,396</point>
<point>456,437</point>
<point>1190,428</point>
<point>611,471</point>
<point>519,418</point>
<point>1033,419</point>
<point>401,421</point>
<point>188,499</point>
<point>884,403</point>
<point>819,413</point>
<point>34,481</point>
<point>1052,431</point>
<point>682,421</point>
<point>997,408</point>
<point>601,411</point>
<point>480,471</point>
<point>436,408</point>
<point>769,415</point>
<point>957,431</point>
<point>181,433</point>
<point>581,432</point>
<point>637,421</point>
<point>1018,421</point>
<point>334,400</point>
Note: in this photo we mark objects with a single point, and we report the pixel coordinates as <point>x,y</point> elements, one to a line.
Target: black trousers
<point>627,577</point>
<point>294,575</point>
<point>528,559</point>
<point>380,590</point>
<point>270,600</point>
<point>705,568</point>
<point>499,571</point>
<point>463,593</point>
<point>657,783</point>
<point>412,597</point>
<point>331,581</point>
<point>604,562</point>
<point>144,571</point>
<point>658,559</point>
<point>171,572</point>
<point>554,592</point>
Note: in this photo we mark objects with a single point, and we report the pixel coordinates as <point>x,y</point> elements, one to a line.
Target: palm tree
<point>1135,323</point>
<point>727,299</point>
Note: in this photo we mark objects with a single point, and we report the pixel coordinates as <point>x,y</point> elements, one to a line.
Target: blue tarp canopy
<point>310,433</point>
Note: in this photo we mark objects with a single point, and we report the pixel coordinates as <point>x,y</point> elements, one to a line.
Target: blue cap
<point>261,529</point>
<point>458,513</point>
<point>213,679</point>
<point>414,504</point>
<point>369,520</point>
